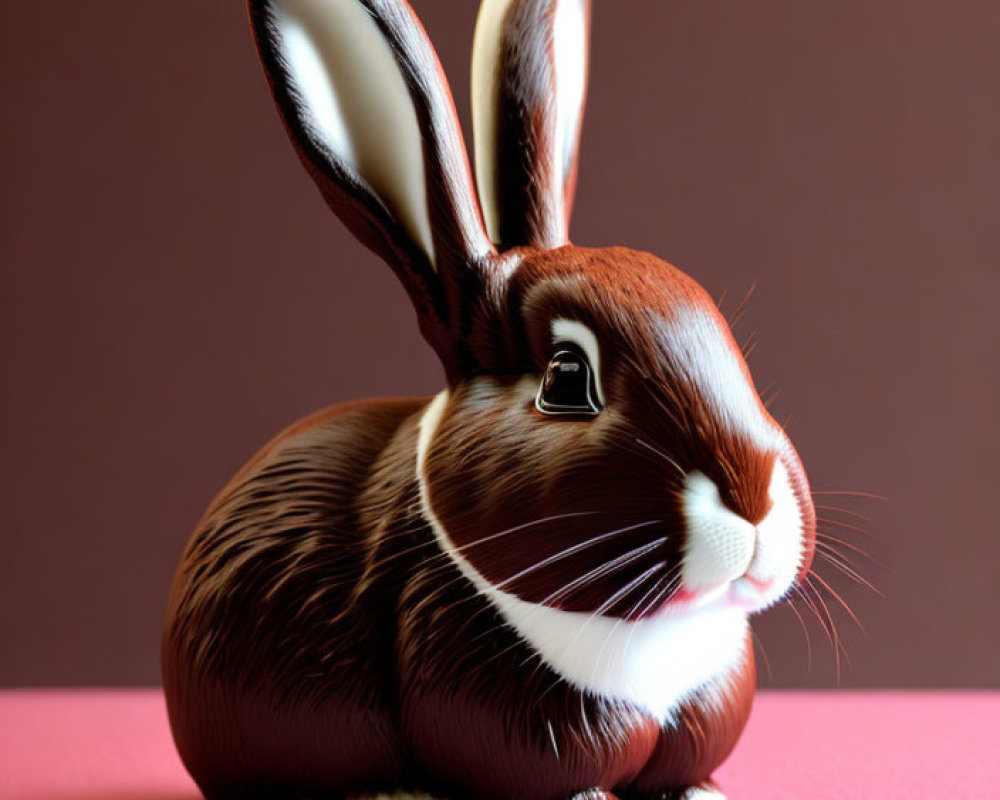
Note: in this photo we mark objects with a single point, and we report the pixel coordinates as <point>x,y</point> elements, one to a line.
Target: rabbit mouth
<point>745,592</point>
<point>655,661</point>
<point>729,559</point>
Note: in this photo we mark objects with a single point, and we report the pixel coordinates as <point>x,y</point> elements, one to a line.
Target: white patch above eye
<point>657,663</point>
<point>568,330</point>
<point>701,352</point>
<point>354,102</point>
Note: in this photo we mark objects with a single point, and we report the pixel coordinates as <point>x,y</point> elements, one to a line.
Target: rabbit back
<point>277,650</point>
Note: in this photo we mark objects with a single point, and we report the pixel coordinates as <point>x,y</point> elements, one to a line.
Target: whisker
<point>516,528</point>
<point>671,413</point>
<point>763,652</point>
<point>671,578</point>
<point>664,387</point>
<point>742,307</point>
<point>865,495</point>
<point>614,565</point>
<point>630,586</point>
<point>847,526</point>
<point>840,600</point>
<point>635,610</point>
<point>576,548</point>
<point>846,567</point>
<point>524,525</point>
<point>849,512</point>
<point>662,455</point>
<point>829,632</point>
<point>609,567</point>
<point>823,536</point>
<point>675,578</point>
<point>609,603</point>
<point>805,630</point>
<point>594,615</point>
<point>824,607</point>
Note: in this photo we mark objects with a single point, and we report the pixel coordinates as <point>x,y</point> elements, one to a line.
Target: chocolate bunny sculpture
<point>536,584</point>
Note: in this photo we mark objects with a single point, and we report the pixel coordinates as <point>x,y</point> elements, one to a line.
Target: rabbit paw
<point>705,791</point>
<point>392,796</point>
<point>702,793</point>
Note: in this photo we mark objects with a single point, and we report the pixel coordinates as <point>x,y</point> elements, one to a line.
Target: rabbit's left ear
<point>367,106</point>
<point>529,79</point>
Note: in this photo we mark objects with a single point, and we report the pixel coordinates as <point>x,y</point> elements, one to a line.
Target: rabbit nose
<point>747,492</point>
<point>719,544</point>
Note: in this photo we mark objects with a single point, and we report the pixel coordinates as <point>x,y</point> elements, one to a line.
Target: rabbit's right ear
<point>365,102</point>
<point>529,83</point>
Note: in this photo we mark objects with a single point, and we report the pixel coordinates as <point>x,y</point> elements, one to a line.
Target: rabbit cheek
<point>547,509</point>
<point>657,662</point>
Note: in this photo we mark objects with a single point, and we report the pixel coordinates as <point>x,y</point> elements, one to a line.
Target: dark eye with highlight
<point>568,388</point>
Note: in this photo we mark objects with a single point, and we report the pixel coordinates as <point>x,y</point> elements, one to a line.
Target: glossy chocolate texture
<point>593,475</point>
<point>317,644</point>
<point>322,636</point>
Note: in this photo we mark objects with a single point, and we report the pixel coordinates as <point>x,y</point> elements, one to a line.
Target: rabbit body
<point>537,583</point>
<point>315,647</point>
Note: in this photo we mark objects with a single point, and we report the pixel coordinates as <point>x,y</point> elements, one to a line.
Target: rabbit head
<point>600,447</point>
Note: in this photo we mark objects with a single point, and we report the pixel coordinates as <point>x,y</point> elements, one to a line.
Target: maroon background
<point>174,291</point>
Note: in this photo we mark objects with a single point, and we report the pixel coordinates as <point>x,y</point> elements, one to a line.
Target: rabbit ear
<point>529,77</point>
<point>365,101</point>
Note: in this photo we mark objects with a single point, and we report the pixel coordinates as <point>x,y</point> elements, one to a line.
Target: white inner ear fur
<point>657,664</point>
<point>485,74</point>
<point>354,101</point>
<point>570,45</point>
<point>568,330</point>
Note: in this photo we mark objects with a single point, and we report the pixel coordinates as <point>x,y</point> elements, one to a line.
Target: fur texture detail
<point>467,595</point>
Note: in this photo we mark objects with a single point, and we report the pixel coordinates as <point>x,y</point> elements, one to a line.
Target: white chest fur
<point>657,664</point>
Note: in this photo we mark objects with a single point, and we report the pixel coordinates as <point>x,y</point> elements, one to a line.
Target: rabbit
<point>537,583</point>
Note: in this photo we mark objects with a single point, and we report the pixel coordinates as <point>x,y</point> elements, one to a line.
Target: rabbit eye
<point>568,386</point>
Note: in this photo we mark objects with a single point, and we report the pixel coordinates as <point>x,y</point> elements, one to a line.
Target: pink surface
<point>115,745</point>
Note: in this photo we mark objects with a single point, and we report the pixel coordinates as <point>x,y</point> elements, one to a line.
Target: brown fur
<point>318,640</point>
<point>290,667</point>
<point>597,468</point>
<point>319,637</point>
